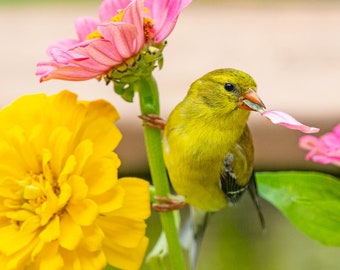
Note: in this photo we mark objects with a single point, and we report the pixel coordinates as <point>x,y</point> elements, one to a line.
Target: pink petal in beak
<point>286,120</point>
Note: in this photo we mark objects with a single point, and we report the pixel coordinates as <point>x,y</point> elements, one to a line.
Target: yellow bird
<point>207,145</point>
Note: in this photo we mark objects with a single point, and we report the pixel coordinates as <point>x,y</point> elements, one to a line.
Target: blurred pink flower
<point>325,150</point>
<point>286,120</point>
<point>125,27</point>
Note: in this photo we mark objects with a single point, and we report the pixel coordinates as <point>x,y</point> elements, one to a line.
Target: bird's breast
<point>194,158</point>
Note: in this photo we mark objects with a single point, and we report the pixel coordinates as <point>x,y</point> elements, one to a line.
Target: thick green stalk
<point>149,104</point>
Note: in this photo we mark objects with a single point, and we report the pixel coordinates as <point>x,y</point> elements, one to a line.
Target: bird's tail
<point>192,234</point>
<point>255,198</point>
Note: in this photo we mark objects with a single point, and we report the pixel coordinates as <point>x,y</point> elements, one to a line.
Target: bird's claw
<point>153,121</point>
<point>167,204</point>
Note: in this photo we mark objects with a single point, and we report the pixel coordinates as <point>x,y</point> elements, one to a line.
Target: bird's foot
<point>167,204</point>
<point>153,121</point>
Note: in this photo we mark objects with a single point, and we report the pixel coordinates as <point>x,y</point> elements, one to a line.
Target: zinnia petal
<point>63,57</point>
<point>110,200</point>
<point>130,238</point>
<point>96,182</point>
<point>99,52</point>
<point>326,159</point>
<point>19,259</point>
<point>336,130</point>
<point>84,26</point>
<point>51,231</point>
<point>137,190</point>
<point>286,120</point>
<point>62,45</point>
<point>133,15</point>
<point>110,8</point>
<point>309,142</point>
<point>49,258</point>
<point>93,238</point>
<point>122,37</point>
<point>12,240</point>
<point>83,212</point>
<point>70,233</point>
<point>119,255</point>
<point>165,14</point>
<point>92,260</point>
<point>49,70</point>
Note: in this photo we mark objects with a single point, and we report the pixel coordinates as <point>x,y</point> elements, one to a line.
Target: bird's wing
<point>233,190</point>
<point>228,180</point>
<point>237,168</point>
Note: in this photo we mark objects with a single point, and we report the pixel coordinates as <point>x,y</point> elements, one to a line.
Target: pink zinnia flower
<point>124,29</point>
<point>325,150</point>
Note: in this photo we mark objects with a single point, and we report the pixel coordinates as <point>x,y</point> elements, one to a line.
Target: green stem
<point>149,104</point>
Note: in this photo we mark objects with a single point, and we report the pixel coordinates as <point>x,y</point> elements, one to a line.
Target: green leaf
<point>110,267</point>
<point>125,90</point>
<point>158,258</point>
<point>311,201</point>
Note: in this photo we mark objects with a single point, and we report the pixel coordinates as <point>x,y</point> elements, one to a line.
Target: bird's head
<point>227,89</point>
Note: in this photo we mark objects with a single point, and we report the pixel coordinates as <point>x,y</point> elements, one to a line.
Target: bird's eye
<point>229,87</point>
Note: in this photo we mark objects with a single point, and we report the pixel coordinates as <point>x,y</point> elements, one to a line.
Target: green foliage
<point>311,201</point>
<point>110,267</point>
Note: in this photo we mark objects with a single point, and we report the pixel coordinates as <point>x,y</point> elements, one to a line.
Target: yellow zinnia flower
<point>61,203</point>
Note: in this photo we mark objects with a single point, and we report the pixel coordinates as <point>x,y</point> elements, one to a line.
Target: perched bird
<point>207,145</point>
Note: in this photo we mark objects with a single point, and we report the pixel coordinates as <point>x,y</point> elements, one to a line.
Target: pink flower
<point>325,150</point>
<point>287,121</point>
<point>124,29</point>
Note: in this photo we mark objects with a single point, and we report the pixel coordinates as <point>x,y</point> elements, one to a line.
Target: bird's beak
<point>251,101</point>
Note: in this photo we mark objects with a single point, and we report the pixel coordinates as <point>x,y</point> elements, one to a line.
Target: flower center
<point>118,17</point>
<point>40,195</point>
<point>148,27</point>
<point>149,30</point>
<point>34,195</point>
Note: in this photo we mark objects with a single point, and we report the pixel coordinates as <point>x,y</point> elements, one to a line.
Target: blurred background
<point>292,50</point>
